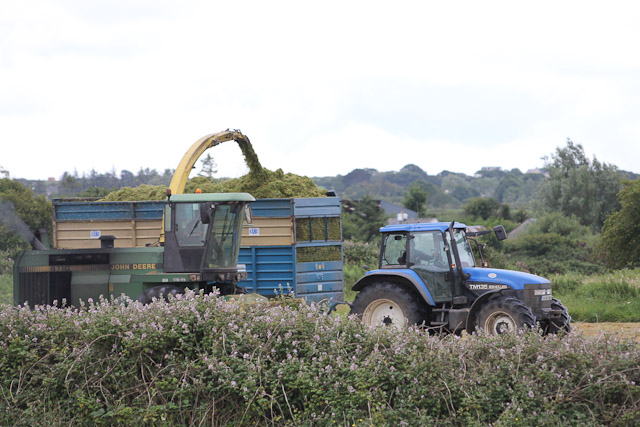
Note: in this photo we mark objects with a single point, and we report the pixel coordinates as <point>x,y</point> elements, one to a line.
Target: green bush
<point>352,273</point>
<point>357,256</point>
<point>545,254</point>
<point>361,253</point>
<point>554,244</point>
<point>203,360</point>
<point>557,223</point>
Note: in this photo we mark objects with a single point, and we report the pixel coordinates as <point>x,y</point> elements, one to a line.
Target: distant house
<point>537,171</point>
<point>398,213</point>
<point>475,228</point>
<point>395,210</point>
<point>401,215</point>
<point>519,229</point>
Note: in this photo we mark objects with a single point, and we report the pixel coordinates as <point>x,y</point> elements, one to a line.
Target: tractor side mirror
<point>500,233</point>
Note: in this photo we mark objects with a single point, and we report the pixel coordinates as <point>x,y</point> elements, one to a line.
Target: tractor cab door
<point>223,240</point>
<point>428,257</point>
<point>185,238</point>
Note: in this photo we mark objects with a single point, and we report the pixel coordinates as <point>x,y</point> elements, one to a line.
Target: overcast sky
<point>320,88</point>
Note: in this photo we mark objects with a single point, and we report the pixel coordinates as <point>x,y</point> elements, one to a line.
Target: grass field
<point>611,297</point>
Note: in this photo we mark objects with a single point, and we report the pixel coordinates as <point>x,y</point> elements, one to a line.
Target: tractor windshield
<point>464,249</point>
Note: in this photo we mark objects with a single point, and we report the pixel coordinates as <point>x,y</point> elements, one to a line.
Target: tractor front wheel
<point>388,304</point>
<point>504,315</point>
<point>162,291</point>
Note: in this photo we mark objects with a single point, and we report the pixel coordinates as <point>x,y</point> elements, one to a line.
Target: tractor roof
<point>420,226</point>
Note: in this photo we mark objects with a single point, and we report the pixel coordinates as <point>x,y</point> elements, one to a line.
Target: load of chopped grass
<point>265,185</point>
<point>260,182</point>
<point>143,192</point>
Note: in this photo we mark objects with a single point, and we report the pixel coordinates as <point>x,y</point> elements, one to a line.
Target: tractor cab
<point>427,250</point>
<point>202,234</point>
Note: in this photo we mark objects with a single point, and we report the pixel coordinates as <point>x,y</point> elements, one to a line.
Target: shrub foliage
<point>203,360</point>
<point>621,232</point>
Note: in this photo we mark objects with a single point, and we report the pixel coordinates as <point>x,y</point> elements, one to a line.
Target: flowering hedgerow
<point>202,360</point>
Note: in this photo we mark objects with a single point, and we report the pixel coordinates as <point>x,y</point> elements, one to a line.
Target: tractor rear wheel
<point>504,315</point>
<point>388,304</point>
<point>162,291</point>
<point>557,324</point>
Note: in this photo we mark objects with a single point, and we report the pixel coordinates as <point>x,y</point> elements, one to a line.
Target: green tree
<point>620,239</point>
<point>70,184</point>
<point>21,212</point>
<point>485,208</point>
<point>208,167</point>
<point>415,198</point>
<point>580,187</point>
<point>521,215</point>
<point>364,222</point>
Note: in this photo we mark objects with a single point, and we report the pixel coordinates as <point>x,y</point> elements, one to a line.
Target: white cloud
<point>320,88</point>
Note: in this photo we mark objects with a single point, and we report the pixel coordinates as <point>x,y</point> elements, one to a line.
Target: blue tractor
<point>427,275</point>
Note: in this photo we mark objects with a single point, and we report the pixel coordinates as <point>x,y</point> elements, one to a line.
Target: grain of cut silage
<point>260,182</point>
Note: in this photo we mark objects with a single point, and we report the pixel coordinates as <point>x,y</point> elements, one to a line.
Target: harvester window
<point>190,231</point>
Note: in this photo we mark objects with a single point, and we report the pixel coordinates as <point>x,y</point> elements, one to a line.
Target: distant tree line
<point>95,184</point>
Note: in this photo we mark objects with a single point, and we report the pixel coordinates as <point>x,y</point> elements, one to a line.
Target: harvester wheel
<point>557,324</point>
<point>388,304</point>
<point>504,315</point>
<point>162,291</point>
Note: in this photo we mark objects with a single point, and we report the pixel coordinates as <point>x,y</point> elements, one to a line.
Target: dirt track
<point>621,330</point>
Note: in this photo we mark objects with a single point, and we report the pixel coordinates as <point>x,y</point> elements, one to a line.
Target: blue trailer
<point>294,245</point>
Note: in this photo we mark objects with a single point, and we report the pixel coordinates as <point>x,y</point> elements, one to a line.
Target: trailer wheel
<point>388,304</point>
<point>557,324</point>
<point>504,315</point>
<point>162,291</point>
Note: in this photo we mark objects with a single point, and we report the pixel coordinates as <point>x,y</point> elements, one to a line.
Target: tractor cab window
<point>190,231</point>
<point>426,251</point>
<point>464,249</point>
<point>394,249</point>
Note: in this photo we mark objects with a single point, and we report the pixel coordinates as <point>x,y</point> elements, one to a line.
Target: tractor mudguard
<point>407,276</point>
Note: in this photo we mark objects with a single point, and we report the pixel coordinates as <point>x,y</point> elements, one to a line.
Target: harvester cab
<point>202,233</point>
<point>428,276</point>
